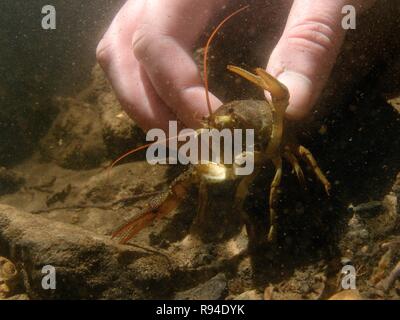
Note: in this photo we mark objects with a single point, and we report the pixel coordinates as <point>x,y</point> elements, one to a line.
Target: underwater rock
<point>8,277</point>
<point>151,268</point>
<point>120,132</point>
<point>357,234</point>
<point>87,266</point>
<point>389,281</point>
<point>18,297</point>
<point>213,289</point>
<point>249,295</point>
<point>395,103</point>
<point>368,208</point>
<point>10,181</point>
<point>269,292</point>
<point>347,295</point>
<point>75,139</point>
<point>385,223</point>
<point>90,127</point>
<point>307,283</point>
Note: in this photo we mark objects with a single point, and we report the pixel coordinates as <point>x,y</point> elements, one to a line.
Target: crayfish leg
<point>291,158</point>
<point>273,199</point>
<point>241,194</point>
<point>306,154</point>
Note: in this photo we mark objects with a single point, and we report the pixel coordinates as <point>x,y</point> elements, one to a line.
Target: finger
<point>307,51</point>
<point>130,83</point>
<point>162,45</point>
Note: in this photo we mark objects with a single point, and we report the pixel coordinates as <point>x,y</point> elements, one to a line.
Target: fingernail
<point>301,92</point>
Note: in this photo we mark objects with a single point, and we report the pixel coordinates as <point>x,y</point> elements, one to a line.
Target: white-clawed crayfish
<point>272,143</point>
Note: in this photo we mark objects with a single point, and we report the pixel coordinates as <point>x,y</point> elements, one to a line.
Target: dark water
<point>36,64</point>
<point>354,134</point>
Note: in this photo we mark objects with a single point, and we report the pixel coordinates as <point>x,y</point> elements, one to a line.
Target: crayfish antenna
<point>130,152</point>
<point>120,158</point>
<point>206,49</point>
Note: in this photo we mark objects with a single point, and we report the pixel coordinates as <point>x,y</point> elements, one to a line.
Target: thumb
<point>307,50</point>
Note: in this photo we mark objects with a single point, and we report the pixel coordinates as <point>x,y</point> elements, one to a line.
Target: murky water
<point>61,126</point>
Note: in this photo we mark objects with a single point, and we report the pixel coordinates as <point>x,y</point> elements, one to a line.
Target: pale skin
<point>146,54</point>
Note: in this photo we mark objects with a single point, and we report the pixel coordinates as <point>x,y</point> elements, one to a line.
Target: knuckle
<point>315,36</point>
<point>141,42</point>
<point>146,40</point>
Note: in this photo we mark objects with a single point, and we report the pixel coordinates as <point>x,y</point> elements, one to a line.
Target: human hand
<point>146,55</point>
<point>308,48</point>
